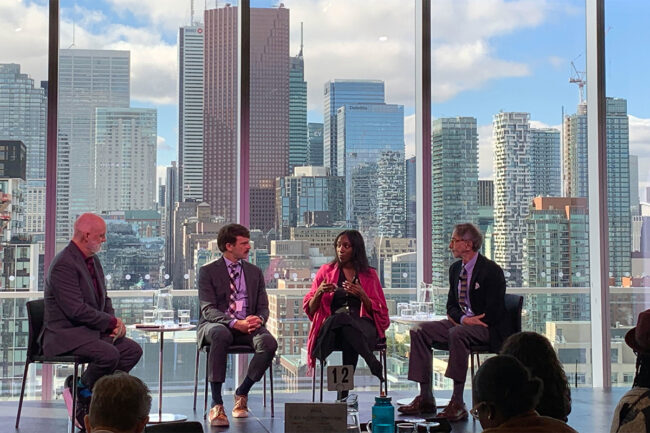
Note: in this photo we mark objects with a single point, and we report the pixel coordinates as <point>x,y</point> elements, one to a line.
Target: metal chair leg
<point>196,376</point>
<point>205,393</point>
<point>22,394</point>
<point>382,356</point>
<point>271,381</point>
<point>264,390</point>
<point>313,386</point>
<point>75,379</point>
<point>322,363</point>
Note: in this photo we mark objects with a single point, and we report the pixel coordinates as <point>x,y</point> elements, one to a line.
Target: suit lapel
<point>100,280</point>
<point>251,288</point>
<point>81,264</point>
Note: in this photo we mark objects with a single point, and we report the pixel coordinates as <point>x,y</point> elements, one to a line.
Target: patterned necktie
<point>462,296</point>
<point>234,274</point>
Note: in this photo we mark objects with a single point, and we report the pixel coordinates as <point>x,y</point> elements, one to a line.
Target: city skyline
<point>531,51</point>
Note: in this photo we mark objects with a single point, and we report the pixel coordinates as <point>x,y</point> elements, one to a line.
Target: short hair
<point>119,401</point>
<point>504,381</point>
<point>470,232</point>
<point>228,235</point>
<point>538,356</point>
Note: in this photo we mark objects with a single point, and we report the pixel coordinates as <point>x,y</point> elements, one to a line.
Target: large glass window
<point>628,177</point>
<point>509,154</point>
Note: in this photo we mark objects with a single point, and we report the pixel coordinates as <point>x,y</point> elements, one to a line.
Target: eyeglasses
<point>476,409</point>
<point>454,240</point>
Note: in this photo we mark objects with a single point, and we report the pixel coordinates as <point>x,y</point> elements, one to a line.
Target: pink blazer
<point>370,284</point>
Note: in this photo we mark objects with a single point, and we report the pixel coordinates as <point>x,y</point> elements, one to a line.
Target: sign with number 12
<point>340,378</point>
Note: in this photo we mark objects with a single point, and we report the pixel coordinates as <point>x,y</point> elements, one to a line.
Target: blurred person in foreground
<point>539,357</point>
<point>632,414</point>
<point>347,307</point>
<point>476,315</point>
<point>234,310</point>
<point>120,404</point>
<point>79,317</point>
<point>506,397</point>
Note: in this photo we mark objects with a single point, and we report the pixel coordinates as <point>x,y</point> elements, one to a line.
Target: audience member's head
<point>537,354</point>
<point>120,404</point>
<point>638,338</point>
<point>503,388</point>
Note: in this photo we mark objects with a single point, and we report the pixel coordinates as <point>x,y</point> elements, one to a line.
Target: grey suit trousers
<point>458,337</point>
<point>221,337</point>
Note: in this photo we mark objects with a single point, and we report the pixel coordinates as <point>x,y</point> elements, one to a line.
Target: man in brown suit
<point>79,316</point>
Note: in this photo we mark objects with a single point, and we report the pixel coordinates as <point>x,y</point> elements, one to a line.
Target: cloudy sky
<point>488,55</point>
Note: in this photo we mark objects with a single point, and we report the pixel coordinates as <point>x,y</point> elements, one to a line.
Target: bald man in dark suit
<point>79,316</point>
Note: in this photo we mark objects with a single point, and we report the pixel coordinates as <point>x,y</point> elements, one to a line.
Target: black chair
<point>379,347</point>
<point>236,349</point>
<point>175,427</point>
<point>35,312</point>
<point>514,304</point>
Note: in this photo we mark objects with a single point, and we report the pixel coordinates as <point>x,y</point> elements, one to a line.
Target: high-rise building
<point>23,110</point>
<point>486,192</point>
<point>315,144</point>
<point>556,246</point>
<point>88,79</point>
<point>618,178</point>
<point>574,153</point>
<point>513,191</point>
<point>454,186</point>
<point>391,194</point>
<point>618,190</point>
<point>171,198</point>
<point>400,271</point>
<point>125,159</point>
<point>310,189</point>
<point>336,94</point>
<point>634,185</point>
<point>545,166</point>
<point>365,132</point>
<point>411,203</point>
<point>190,112</point>
<point>269,111</point>
<point>298,135</point>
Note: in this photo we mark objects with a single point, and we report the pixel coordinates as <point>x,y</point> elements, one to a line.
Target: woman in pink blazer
<point>346,306</point>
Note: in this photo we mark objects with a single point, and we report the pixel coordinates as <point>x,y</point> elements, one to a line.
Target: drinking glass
<point>148,317</point>
<point>405,427</point>
<point>166,317</point>
<point>426,426</point>
<point>183,317</point>
<point>402,306</point>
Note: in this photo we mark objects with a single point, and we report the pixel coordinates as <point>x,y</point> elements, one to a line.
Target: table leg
<point>163,417</point>
<point>160,378</point>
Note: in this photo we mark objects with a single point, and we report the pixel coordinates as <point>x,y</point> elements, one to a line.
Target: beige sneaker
<point>241,408</point>
<point>217,416</point>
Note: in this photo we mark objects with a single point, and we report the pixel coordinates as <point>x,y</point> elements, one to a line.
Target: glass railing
<point>562,314</point>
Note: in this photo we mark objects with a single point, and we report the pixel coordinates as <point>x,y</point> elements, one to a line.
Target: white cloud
<point>163,145</point>
<point>167,15</point>
<point>485,152</point>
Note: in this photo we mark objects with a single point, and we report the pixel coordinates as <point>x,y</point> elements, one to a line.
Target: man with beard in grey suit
<point>234,310</point>
<point>79,316</point>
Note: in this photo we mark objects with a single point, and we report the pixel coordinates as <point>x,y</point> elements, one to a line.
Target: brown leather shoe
<point>241,408</point>
<point>418,406</point>
<point>454,412</point>
<point>217,416</point>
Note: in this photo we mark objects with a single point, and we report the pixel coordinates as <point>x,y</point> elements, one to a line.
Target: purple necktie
<point>234,274</point>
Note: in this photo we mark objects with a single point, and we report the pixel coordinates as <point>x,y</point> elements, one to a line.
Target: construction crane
<point>578,77</point>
